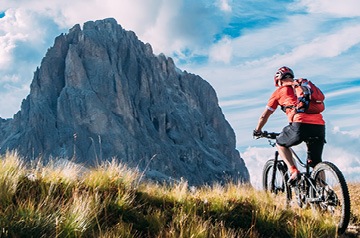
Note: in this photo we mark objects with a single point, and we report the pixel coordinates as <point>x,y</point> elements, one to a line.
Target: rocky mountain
<point>102,93</point>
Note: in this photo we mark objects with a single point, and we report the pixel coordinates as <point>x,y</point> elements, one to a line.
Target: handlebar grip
<point>270,135</point>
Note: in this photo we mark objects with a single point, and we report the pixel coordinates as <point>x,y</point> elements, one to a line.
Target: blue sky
<point>235,45</point>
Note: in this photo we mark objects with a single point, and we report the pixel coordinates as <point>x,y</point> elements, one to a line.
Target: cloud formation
<point>344,8</point>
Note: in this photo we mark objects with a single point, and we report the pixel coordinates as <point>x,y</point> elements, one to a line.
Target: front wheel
<point>331,193</point>
<point>276,182</point>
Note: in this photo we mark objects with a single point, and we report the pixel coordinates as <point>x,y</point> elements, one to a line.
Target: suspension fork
<point>272,188</point>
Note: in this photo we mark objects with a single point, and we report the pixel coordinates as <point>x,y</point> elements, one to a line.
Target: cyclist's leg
<point>315,143</point>
<point>289,136</point>
<point>314,135</point>
<point>286,155</point>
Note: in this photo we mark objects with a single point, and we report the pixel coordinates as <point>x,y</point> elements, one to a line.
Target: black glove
<point>257,133</point>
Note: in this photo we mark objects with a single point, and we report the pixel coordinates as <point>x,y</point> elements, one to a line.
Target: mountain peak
<point>101,93</point>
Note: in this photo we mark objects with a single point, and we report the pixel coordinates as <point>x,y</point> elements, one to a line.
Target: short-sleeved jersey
<point>284,96</point>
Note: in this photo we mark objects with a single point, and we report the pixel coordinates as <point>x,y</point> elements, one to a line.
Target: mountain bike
<point>323,188</point>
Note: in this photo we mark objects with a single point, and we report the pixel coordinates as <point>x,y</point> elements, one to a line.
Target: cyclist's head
<point>283,73</point>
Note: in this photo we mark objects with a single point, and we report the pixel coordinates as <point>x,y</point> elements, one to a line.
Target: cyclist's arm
<point>271,106</point>
<point>263,119</point>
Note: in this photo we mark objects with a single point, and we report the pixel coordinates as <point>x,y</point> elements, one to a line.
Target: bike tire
<point>281,178</point>
<point>335,192</point>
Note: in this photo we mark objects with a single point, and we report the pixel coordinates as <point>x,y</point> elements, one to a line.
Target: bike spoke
<point>331,194</point>
<point>276,184</point>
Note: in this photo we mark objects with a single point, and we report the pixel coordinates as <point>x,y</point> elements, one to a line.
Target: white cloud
<point>221,51</point>
<point>169,26</point>
<point>255,159</point>
<point>161,32</point>
<point>12,29</point>
<point>348,162</point>
<point>10,79</point>
<point>23,43</point>
<point>21,23</point>
<point>6,46</point>
<point>347,91</point>
<point>330,45</point>
<point>133,14</point>
<point>21,31</point>
<point>343,8</point>
<point>291,48</point>
<point>9,99</point>
<point>225,6</point>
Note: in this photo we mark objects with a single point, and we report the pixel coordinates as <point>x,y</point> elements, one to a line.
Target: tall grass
<point>11,169</point>
<point>354,189</point>
<point>108,201</point>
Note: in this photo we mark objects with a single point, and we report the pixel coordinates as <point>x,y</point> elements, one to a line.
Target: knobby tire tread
<point>345,210</point>
<point>268,169</point>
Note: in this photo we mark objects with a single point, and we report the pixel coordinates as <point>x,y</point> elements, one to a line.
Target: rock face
<point>101,93</point>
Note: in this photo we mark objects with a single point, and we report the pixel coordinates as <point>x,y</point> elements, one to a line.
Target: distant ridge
<point>101,93</point>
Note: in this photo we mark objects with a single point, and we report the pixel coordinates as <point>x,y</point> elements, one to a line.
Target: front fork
<point>272,186</point>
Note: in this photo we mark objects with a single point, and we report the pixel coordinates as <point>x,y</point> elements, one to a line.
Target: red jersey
<point>284,96</point>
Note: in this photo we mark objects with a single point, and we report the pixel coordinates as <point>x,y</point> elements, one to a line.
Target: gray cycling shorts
<point>313,135</point>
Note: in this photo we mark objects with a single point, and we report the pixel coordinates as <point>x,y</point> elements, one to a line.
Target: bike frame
<point>311,188</point>
<point>306,180</point>
<point>305,176</point>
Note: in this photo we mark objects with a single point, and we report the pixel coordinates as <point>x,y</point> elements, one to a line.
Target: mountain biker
<point>302,126</point>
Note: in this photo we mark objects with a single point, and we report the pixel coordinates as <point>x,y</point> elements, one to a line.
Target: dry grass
<point>108,201</point>
<point>354,190</point>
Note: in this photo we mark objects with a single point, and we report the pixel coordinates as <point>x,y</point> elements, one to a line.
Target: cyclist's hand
<point>257,133</point>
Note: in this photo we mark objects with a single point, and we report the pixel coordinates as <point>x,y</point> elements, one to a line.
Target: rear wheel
<point>276,183</point>
<point>331,193</point>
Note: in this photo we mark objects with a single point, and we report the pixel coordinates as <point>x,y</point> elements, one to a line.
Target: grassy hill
<point>111,200</point>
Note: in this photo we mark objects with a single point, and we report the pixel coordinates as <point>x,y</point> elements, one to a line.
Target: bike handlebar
<point>269,135</point>
<point>272,136</point>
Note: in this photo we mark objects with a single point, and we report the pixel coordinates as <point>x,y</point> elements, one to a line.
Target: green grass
<point>108,201</point>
